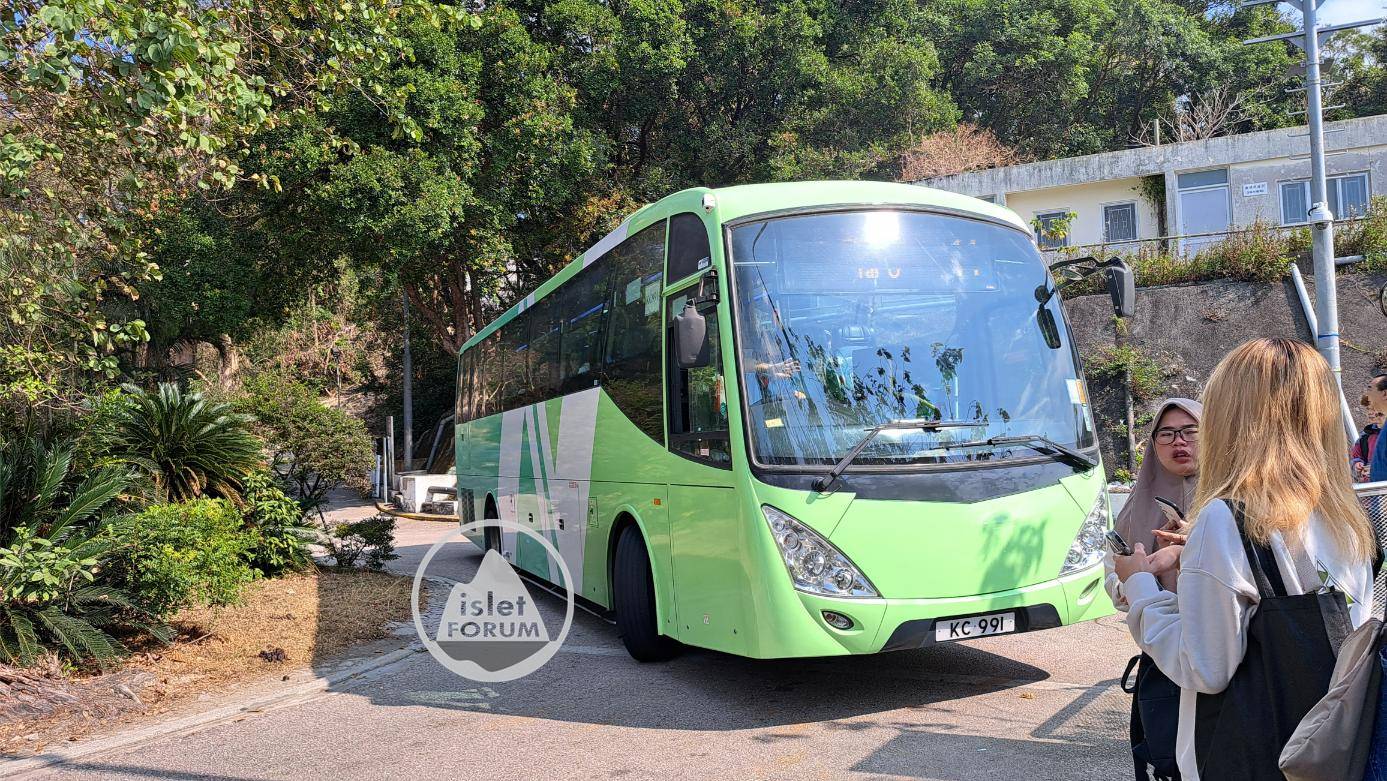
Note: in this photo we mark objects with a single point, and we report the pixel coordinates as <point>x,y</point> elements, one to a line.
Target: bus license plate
<point>974,626</point>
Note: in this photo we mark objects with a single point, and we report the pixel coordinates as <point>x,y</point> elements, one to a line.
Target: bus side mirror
<point>1122,287</point>
<point>691,339</point>
<point>1382,300</point>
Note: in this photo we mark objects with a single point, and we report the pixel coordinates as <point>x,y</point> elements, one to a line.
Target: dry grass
<point>309,616</point>
<point>283,627</point>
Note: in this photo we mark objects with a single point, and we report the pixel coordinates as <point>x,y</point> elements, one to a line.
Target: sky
<point>1338,11</point>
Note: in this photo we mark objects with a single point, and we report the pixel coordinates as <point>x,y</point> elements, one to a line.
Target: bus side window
<point>689,252</point>
<point>489,380</point>
<point>514,358</point>
<point>631,366</point>
<point>466,370</point>
<point>698,397</point>
<point>582,309</point>
<point>544,350</point>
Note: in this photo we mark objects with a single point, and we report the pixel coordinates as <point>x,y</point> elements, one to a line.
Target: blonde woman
<point>1272,445</point>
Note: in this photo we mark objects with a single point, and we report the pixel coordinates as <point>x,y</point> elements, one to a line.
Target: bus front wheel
<point>636,619</point>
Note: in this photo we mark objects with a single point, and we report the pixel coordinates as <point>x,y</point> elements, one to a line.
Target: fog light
<point>837,620</point>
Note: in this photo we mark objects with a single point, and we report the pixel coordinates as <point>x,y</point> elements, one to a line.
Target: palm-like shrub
<point>53,545</point>
<point>191,446</point>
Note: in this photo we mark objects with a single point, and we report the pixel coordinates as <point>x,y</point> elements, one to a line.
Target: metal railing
<point>1177,244</point>
<point>1373,496</point>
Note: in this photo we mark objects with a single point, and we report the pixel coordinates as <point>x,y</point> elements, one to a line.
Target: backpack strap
<point>1266,573</point>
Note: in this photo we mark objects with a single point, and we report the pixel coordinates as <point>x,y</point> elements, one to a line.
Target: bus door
<point>709,576</point>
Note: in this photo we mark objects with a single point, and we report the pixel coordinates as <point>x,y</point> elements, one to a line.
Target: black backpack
<point>1292,642</point>
<point>1155,717</point>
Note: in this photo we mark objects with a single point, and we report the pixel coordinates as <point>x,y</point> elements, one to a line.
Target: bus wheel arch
<point>633,591</point>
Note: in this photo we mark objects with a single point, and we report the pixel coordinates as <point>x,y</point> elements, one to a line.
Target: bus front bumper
<point>900,624</point>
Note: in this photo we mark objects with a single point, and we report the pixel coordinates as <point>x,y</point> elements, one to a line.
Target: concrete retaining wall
<point>1188,328</point>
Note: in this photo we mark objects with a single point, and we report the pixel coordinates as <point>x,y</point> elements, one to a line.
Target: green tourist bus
<point>799,419</point>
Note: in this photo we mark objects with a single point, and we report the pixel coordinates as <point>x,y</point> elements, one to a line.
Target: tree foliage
<point>114,110</point>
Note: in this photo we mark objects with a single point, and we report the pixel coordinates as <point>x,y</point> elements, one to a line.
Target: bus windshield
<point>849,320</point>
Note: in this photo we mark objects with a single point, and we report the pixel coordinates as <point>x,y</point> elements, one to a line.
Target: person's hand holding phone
<point>1174,532</point>
<point>1127,566</point>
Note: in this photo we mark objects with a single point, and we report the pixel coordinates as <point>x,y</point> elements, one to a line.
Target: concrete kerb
<point>293,695</point>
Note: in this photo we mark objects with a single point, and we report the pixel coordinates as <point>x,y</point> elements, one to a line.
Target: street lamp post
<point>1320,217</point>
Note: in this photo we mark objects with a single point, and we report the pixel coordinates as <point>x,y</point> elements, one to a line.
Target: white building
<point>1190,188</point>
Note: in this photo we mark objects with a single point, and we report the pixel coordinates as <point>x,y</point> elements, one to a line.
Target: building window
<point>1210,178</point>
<point>1295,202</point>
<point>1120,222</point>
<point>1052,229</point>
<point>1348,197</point>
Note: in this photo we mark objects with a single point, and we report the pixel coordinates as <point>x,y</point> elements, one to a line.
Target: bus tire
<point>634,590</point>
<point>491,533</point>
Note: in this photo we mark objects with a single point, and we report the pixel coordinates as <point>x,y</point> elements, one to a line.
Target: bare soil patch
<point>283,629</point>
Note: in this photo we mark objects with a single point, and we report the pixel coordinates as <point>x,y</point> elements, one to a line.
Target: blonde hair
<point>1271,437</point>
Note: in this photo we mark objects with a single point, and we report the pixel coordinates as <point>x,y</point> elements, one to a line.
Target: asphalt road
<point>1043,705</point>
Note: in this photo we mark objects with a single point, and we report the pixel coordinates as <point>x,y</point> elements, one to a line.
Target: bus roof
<point>732,203</point>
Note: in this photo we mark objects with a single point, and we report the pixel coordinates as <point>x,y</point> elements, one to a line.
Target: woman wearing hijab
<point>1169,471</point>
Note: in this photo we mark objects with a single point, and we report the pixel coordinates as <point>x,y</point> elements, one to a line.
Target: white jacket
<point>1198,636</point>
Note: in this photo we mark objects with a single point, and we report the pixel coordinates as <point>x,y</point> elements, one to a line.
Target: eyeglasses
<point>1165,436</point>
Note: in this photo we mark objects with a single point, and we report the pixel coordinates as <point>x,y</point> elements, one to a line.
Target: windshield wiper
<point>826,481</point>
<point>1036,442</point>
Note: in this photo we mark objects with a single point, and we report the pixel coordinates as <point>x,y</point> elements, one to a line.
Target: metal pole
<point>1350,427</point>
<point>408,392</point>
<point>389,452</point>
<point>1321,218</point>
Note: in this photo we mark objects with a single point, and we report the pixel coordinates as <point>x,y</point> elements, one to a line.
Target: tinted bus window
<point>489,402</point>
<point>545,344</point>
<point>515,356</point>
<point>582,306</point>
<point>463,411</point>
<point>632,373</point>
<point>688,246</point>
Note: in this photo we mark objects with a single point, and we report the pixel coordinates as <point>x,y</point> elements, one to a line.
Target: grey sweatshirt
<point>1198,635</point>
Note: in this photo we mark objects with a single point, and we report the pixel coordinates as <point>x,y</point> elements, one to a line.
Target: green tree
<point>1361,66</point>
<point>1066,77</point>
<point>115,109</point>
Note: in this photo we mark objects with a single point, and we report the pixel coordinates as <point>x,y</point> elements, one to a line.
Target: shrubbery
<point>189,445</point>
<point>372,537</point>
<point>52,548</point>
<point>315,447</point>
<point>277,528</point>
<point>172,556</point>
<point>1259,253</point>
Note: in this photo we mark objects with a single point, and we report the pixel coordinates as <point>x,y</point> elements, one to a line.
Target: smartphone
<point>1116,544</point>
<point>1171,510</point>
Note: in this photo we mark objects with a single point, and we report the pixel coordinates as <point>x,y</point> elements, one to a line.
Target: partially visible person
<point>1377,462</point>
<point>1272,441</point>
<point>1363,447</point>
<point>1169,471</point>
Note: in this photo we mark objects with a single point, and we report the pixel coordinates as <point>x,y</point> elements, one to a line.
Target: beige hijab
<point>1141,515</point>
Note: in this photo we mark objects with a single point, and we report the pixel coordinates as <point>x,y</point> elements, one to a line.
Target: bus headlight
<point>1087,549</point>
<point>815,566</point>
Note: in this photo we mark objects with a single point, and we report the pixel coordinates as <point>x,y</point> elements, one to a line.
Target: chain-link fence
<point>1374,499</point>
